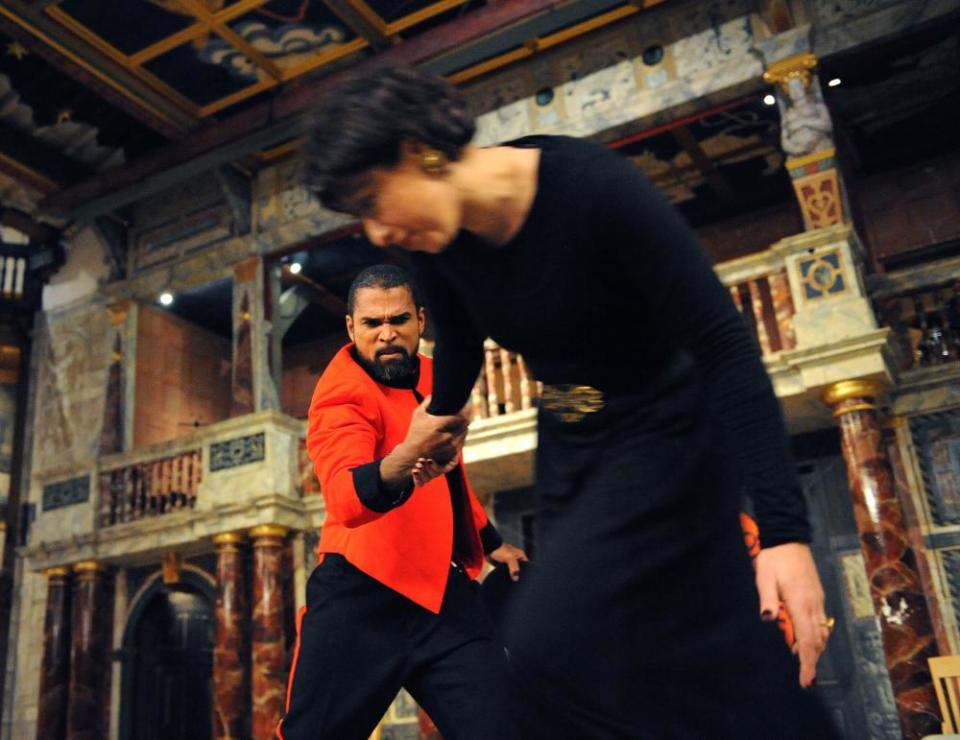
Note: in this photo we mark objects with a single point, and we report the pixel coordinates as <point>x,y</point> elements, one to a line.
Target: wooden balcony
<point>228,476</point>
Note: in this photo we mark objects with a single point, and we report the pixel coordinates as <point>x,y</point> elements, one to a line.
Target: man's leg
<point>350,657</point>
<point>461,675</point>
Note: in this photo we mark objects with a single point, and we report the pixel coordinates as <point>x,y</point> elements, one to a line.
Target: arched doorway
<point>168,662</point>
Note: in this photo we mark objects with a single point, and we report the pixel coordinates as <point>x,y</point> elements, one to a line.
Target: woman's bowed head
<point>392,148</point>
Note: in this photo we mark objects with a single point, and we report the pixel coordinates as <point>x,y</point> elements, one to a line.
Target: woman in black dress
<point>642,618</point>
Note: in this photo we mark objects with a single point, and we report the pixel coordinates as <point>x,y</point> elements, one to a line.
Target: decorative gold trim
<point>846,390</point>
<point>268,532</point>
<point>803,161</point>
<point>57,571</point>
<point>798,66</point>
<point>225,539</point>
<point>88,566</point>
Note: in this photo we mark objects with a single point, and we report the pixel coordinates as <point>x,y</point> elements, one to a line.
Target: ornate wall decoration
<point>66,493</point>
<point>819,198</point>
<point>822,275</point>
<point>235,452</point>
<point>937,440</point>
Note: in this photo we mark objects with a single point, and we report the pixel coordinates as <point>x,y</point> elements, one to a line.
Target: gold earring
<point>433,161</point>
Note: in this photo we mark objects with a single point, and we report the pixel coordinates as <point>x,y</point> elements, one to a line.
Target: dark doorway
<point>168,663</point>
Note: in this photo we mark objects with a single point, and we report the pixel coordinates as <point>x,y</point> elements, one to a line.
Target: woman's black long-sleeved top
<point>603,285</point>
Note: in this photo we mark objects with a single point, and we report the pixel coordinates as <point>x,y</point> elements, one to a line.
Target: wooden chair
<point>945,671</point>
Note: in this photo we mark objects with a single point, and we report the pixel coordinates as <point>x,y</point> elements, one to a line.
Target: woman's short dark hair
<point>362,123</point>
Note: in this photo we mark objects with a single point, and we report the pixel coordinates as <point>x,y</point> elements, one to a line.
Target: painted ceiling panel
<point>289,33</point>
<point>205,72</point>
<point>129,25</point>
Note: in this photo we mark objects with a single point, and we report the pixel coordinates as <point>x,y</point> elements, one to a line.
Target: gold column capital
<point>57,571</point>
<point>118,312</point>
<point>88,568</point>
<point>846,390</point>
<point>245,271</point>
<point>9,364</point>
<point>265,533</point>
<point>798,66</point>
<point>228,539</point>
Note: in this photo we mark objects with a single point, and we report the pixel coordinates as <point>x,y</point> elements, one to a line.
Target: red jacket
<point>354,420</point>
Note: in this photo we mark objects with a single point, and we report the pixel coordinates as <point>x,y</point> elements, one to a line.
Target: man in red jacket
<point>392,602</point>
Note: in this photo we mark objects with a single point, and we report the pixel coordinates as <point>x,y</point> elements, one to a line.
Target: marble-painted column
<point>895,583</point>
<point>268,674</point>
<point>55,669</point>
<point>231,696</point>
<point>88,715</point>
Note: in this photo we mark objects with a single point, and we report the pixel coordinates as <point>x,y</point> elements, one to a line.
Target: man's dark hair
<point>362,123</point>
<point>382,276</point>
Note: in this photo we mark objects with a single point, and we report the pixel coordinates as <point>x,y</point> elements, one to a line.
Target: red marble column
<point>268,669</point>
<point>895,583</point>
<point>55,669</point>
<point>231,705</point>
<point>88,715</point>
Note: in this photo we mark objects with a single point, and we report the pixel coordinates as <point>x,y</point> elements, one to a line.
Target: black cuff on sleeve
<point>490,538</point>
<point>372,491</point>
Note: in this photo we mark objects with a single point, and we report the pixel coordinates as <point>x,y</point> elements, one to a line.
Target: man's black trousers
<point>359,642</point>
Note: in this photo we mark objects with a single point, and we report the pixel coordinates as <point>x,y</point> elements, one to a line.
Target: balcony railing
<point>758,285</point>
<point>504,386</point>
<point>926,322</point>
<point>150,488</point>
<point>766,304</point>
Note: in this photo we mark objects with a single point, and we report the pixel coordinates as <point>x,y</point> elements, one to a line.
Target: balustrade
<point>150,488</point>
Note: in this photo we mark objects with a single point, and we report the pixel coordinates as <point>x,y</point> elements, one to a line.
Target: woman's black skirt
<point>641,618</point>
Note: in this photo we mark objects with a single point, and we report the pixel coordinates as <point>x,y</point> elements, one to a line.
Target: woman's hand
<point>787,572</point>
<point>510,555</point>
<point>437,438</point>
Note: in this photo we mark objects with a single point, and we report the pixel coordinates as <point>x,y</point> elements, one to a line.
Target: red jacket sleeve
<point>343,430</point>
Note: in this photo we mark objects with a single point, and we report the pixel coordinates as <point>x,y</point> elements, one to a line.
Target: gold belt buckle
<point>570,403</point>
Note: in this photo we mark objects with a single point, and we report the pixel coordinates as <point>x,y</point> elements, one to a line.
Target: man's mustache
<point>392,351</point>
